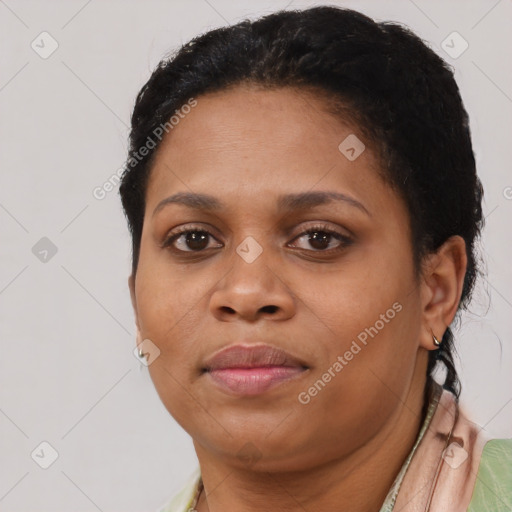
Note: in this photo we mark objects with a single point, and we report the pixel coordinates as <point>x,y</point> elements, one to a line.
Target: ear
<point>442,282</point>
<point>131,286</point>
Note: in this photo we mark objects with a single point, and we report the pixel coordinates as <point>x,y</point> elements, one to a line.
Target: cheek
<point>370,316</point>
<point>370,382</point>
<point>166,317</point>
<point>363,301</point>
<point>163,298</point>
<point>173,313</point>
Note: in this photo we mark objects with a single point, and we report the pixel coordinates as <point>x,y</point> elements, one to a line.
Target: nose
<point>251,291</point>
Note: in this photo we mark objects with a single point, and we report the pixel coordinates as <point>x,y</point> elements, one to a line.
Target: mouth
<point>248,370</point>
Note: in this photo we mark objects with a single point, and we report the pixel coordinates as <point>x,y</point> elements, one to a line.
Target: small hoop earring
<point>437,343</point>
<point>139,344</point>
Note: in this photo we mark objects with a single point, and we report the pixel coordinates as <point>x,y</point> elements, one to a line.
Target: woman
<point>303,203</point>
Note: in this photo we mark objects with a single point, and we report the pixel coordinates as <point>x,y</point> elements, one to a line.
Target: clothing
<point>452,467</point>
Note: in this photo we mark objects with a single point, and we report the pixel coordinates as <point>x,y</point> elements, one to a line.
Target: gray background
<point>68,374</point>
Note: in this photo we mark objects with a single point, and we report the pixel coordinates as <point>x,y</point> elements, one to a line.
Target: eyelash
<point>344,240</point>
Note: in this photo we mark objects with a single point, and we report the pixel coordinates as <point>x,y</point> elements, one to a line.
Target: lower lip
<point>253,381</point>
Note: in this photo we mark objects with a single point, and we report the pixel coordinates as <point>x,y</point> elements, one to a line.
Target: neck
<point>358,482</point>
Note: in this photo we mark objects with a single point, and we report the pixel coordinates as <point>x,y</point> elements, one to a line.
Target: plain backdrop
<point>68,374</point>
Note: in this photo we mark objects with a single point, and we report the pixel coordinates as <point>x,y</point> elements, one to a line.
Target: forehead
<point>253,142</point>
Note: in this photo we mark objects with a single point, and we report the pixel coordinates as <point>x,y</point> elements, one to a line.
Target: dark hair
<point>401,94</point>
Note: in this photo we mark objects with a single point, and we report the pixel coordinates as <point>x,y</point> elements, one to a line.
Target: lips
<point>251,356</point>
<point>252,369</point>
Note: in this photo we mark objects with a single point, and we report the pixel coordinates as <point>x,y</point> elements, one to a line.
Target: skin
<point>246,146</point>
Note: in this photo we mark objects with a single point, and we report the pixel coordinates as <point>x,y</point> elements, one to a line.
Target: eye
<point>322,238</point>
<point>188,240</point>
<point>195,240</point>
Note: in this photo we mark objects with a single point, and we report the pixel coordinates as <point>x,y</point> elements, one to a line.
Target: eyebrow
<point>285,202</point>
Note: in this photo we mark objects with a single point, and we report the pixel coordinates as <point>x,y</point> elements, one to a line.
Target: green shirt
<point>493,488</point>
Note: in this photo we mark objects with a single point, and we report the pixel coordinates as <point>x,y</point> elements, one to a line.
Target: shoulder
<point>493,487</point>
<point>182,501</point>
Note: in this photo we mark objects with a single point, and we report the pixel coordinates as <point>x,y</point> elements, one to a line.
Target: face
<point>342,301</point>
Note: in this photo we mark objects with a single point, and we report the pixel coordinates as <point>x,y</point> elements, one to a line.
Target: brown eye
<point>323,239</point>
<point>189,240</point>
<point>319,239</point>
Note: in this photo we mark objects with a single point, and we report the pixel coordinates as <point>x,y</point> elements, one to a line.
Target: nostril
<point>269,309</point>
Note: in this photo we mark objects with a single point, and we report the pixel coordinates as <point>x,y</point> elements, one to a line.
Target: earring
<point>139,344</point>
<point>437,343</point>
